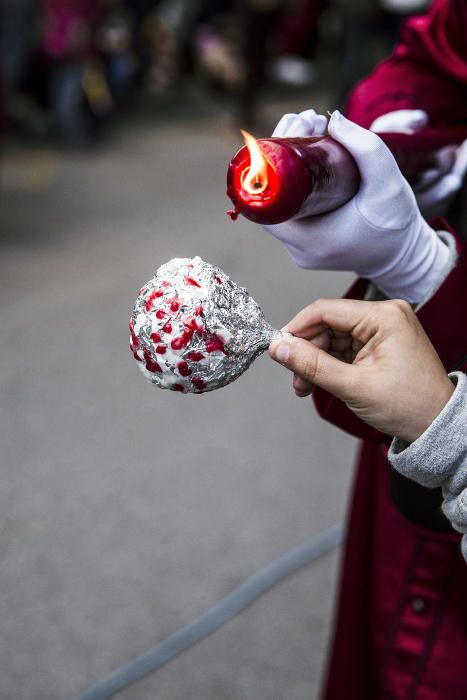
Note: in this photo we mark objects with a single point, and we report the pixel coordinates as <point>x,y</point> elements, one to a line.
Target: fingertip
<point>279,350</point>
<point>301,386</point>
<point>272,348</point>
<point>373,158</point>
<point>301,127</point>
<point>284,124</point>
<point>303,394</point>
<point>419,119</point>
<point>334,121</point>
<point>308,114</point>
<point>452,183</point>
<point>344,130</point>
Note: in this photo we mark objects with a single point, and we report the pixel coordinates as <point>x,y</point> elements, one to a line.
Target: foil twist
<point>194,330</point>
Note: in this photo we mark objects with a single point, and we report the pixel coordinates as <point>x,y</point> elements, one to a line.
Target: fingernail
<point>281,353</point>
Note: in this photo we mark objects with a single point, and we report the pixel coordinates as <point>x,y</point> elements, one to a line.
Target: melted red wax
<point>154,295</point>
<point>195,356</point>
<point>183,368</point>
<point>218,279</point>
<point>216,343</point>
<point>187,335</point>
<point>198,382</point>
<point>192,282</point>
<point>183,340</point>
<point>190,323</point>
<point>151,365</point>
<point>135,354</point>
<point>233,213</point>
<point>133,336</point>
<point>177,343</point>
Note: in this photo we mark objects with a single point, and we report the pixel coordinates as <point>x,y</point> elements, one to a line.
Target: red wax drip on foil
<point>216,343</point>
<point>183,368</point>
<point>154,295</point>
<point>151,365</point>
<point>134,338</point>
<point>177,343</point>
<point>195,356</point>
<point>198,383</point>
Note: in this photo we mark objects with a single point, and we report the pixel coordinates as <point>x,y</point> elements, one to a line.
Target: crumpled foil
<point>194,330</point>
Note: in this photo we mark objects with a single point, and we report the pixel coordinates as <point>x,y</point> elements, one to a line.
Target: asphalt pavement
<point>126,511</point>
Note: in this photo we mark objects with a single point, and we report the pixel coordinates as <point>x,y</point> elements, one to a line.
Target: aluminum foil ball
<point>194,330</point>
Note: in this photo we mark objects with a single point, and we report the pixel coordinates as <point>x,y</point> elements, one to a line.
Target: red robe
<point>401,623</point>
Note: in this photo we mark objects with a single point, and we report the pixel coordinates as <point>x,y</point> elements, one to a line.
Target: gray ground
<point>126,511</point>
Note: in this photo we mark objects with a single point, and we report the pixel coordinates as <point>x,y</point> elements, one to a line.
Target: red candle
<point>271,180</point>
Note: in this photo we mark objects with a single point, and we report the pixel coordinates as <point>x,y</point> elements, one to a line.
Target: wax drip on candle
<point>206,338</point>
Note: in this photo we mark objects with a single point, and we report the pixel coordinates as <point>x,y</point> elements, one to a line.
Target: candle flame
<point>255,180</point>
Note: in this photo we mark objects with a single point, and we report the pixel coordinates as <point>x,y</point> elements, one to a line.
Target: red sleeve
<point>427,70</point>
<point>443,318</point>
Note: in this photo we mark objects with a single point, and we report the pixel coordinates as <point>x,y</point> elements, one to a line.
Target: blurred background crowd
<point>68,66</point>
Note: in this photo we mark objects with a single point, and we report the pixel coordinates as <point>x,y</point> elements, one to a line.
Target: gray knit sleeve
<point>439,457</point>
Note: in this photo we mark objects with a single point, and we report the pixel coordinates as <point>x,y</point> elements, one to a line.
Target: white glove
<point>308,123</point>
<point>380,234</point>
<point>401,121</point>
<point>436,187</point>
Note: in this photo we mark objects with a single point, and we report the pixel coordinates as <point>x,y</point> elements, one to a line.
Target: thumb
<point>374,159</point>
<point>316,366</point>
<point>402,121</point>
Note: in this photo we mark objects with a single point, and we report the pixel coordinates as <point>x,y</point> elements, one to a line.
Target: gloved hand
<point>401,121</point>
<point>308,123</point>
<point>380,234</point>
<point>436,187</point>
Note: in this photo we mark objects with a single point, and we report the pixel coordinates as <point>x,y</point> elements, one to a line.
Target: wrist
<point>419,267</point>
<point>420,423</point>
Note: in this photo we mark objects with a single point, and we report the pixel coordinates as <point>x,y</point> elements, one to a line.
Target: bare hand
<point>375,356</point>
